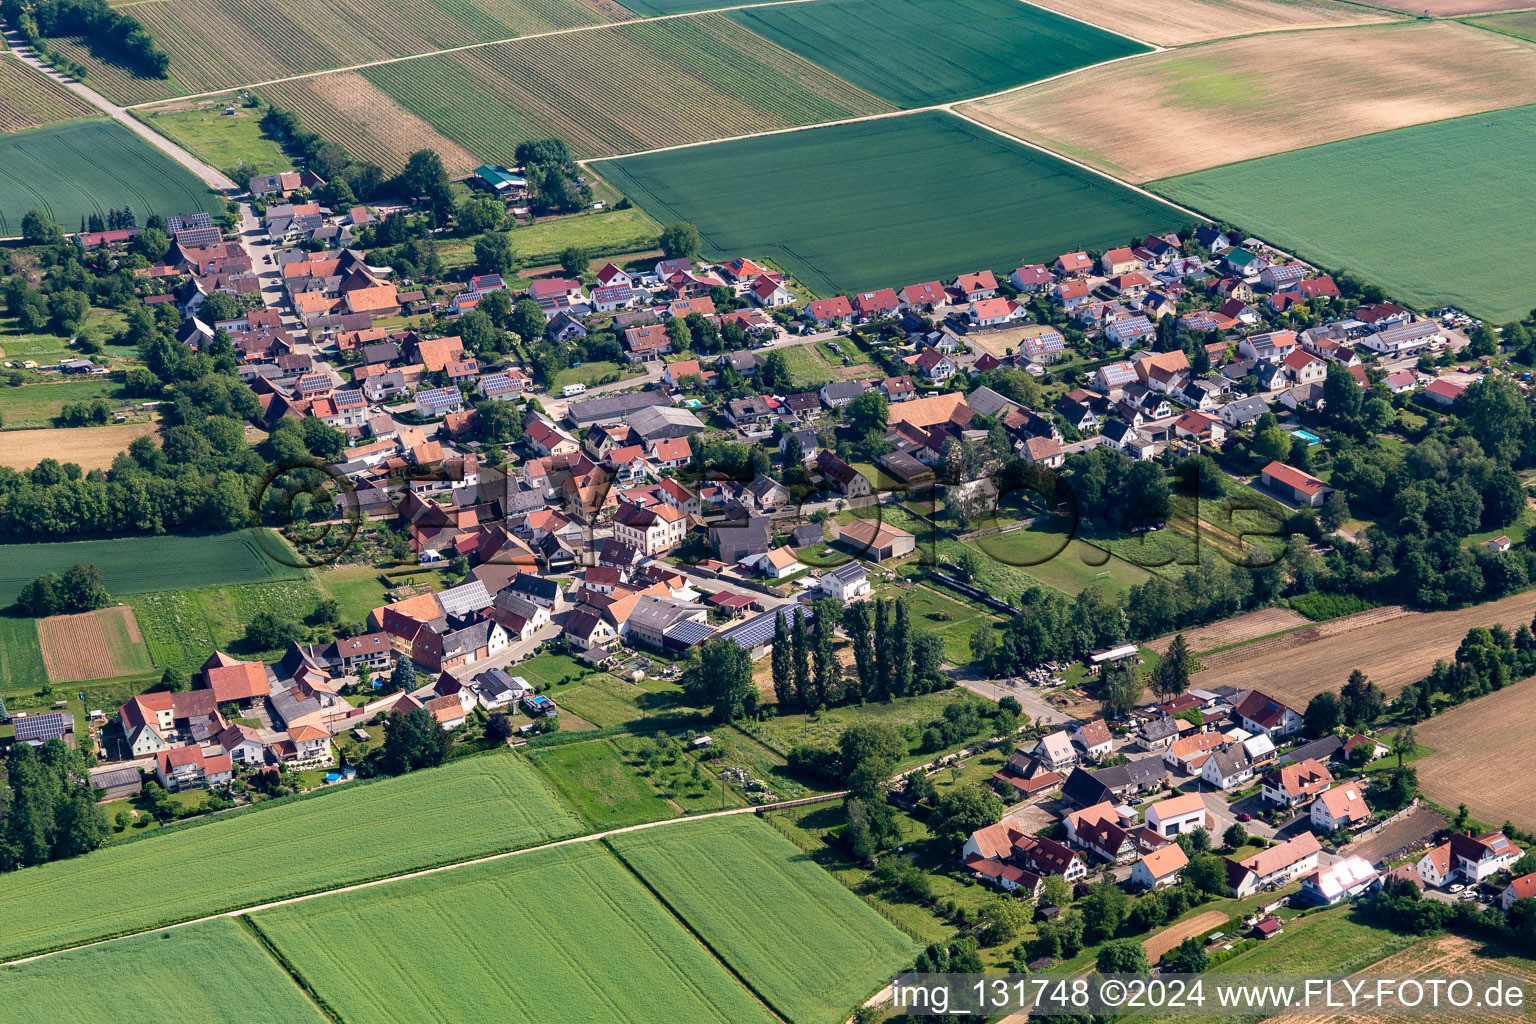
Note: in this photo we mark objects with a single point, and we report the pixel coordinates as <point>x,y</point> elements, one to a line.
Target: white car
<point>1457,887</point>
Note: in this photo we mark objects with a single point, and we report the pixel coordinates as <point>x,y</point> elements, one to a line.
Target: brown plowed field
<point>92,645</point>
<point>1456,8</point>
<point>1234,630</point>
<point>1483,753</point>
<point>1422,822</point>
<point>1391,645</point>
<point>1170,938</point>
<point>87,447</point>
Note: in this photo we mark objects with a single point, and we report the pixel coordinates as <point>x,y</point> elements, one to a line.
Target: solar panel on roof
<point>40,728</point>
<point>760,630</point>
<point>461,600</point>
<point>689,632</point>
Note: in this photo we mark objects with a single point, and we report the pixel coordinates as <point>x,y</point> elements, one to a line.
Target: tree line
<point>48,810</point>
<point>110,34</point>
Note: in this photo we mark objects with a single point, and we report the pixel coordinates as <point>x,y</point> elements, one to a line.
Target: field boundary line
<point>423,872</point>
<point>697,937</point>
<point>1082,21</point>
<point>278,956</point>
<point>467,46</point>
<point>1087,167</point>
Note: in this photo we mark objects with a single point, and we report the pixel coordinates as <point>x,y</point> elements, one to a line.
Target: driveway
<point>514,652</point>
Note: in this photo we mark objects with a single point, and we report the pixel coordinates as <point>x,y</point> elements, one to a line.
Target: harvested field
<point>365,121</point>
<point>1453,8</point>
<point>1171,937</point>
<point>92,645</point>
<point>1391,645</point>
<point>615,90</point>
<point>1402,832</point>
<point>1154,117</point>
<point>220,44</point>
<point>1235,630</point>
<point>1437,957</point>
<point>87,447</point>
<point>1191,21</point>
<point>1481,752</point>
<point>30,99</point>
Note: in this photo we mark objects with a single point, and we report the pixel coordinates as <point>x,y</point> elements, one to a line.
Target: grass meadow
<point>605,791</point>
<point>556,935</point>
<point>1460,182</point>
<point>137,565</point>
<point>916,53</point>
<point>183,627</point>
<point>78,168</point>
<point>35,405</point>
<point>151,978</point>
<point>227,141</point>
<point>474,805</point>
<point>833,205</point>
<point>21,655</point>
<point>753,896</point>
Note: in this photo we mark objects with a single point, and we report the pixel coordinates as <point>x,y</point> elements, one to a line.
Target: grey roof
<point>470,638</point>
<point>537,586</point>
<point>738,537</point>
<point>810,533</point>
<point>614,408</point>
<point>516,603</point>
<point>116,777</point>
<point>842,389</point>
<point>1137,773</point>
<point>1321,750</point>
<point>1245,410</point>
<point>1230,760</point>
<point>1160,728</point>
<point>464,599</point>
<point>658,613</point>
<point>988,402</point>
<point>663,421</point>
<point>290,707</point>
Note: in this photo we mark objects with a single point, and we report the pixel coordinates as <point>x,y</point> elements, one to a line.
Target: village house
<point>1159,868</point>
<point>188,767</point>
<point>1258,712</point>
<point>1340,807</point>
<point>1188,755</point>
<point>1296,783</point>
<point>1177,815</point>
<point>1275,866</point>
<point>1344,879</point>
<point>1228,768</point>
<point>875,541</point>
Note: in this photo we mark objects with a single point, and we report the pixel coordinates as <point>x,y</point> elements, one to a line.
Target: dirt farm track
<point>1392,646</point>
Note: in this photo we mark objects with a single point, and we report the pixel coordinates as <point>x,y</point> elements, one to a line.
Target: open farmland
<point>915,53</point>
<point>348,109</point>
<point>87,447</point>
<point>92,645</point>
<point>1392,646</point>
<point>214,973</point>
<point>136,565</point>
<point>1468,191</point>
<point>30,99</point>
<point>554,935</point>
<point>1191,21</point>
<point>1436,957</point>
<point>1522,24</point>
<point>1237,630</point>
<point>752,895</point>
<point>219,44</point>
<point>364,830</point>
<point>606,91</point>
<point>1455,8</point>
<point>21,656</point>
<point>833,205</point>
<point>1476,746</point>
<point>1156,116</point>
<point>73,170</point>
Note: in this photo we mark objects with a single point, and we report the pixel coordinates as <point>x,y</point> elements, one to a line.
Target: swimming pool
<point>1307,436</point>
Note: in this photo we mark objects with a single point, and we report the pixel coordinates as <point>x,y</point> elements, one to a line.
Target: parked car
<point>1245,816</point>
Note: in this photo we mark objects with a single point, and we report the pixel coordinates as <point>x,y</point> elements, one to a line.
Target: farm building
<point>875,540</point>
<point>1290,482</point>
